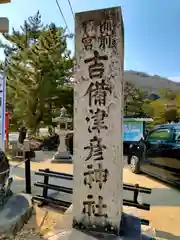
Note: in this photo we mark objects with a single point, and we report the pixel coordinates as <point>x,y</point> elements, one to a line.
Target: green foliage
<point>134,100</point>
<point>38,69</point>
<point>166,108</point>
<point>163,110</point>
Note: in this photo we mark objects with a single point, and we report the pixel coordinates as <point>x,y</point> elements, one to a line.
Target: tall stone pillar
<point>98,115</point>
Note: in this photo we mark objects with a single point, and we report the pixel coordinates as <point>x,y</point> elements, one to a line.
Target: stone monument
<point>97,211</point>
<point>98,114</point>
<point>64,121</point>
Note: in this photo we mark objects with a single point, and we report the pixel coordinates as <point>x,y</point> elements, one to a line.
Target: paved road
<point>18,175</point>
<point>164,200</point>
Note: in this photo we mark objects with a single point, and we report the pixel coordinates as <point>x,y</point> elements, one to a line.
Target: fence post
<point>45,189</point>
<point>136,193</point>
<point>46,181</point>
<point>28,172</point>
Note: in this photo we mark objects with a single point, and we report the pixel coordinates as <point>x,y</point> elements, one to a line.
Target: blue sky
<point>152,28</point>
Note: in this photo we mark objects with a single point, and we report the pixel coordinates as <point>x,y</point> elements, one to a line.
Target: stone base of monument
<point>130,229</point>
<point>60,157</point>
<point>14,214</point>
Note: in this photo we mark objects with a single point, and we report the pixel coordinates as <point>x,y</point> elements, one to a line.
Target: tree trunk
<point>22,134</point>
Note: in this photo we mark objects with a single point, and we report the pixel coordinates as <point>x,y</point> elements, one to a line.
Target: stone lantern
<point>64,122</point>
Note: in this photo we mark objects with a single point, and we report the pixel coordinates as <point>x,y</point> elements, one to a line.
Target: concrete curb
<point>15,214</point>
<point>66,161</point>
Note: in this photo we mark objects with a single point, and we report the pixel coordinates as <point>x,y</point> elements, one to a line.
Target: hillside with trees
<point>150,83</point>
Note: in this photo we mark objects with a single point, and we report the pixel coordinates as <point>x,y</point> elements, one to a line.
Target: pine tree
<point>38,71</point>
<point>134,98</point>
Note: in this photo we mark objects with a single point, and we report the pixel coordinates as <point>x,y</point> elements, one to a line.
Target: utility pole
<point>4,22</point>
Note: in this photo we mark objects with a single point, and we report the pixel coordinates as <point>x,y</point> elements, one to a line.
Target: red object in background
<point>7,130</point>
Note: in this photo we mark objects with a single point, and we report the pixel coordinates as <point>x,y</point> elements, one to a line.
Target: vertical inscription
<point>89,35</point>
<point>107,34</point>
<point>96,120</point>
<point>98,175</point>
<point>97,93</point>
<point>97,44</point>
<point>90,207</point>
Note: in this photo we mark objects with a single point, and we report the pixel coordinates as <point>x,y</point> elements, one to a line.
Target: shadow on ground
<point>164,197</point>
<point>169,197</point>
<point>166,236</point>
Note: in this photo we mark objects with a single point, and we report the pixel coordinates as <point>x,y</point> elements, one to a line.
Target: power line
<point>71,8</point>
<point>62,15</point>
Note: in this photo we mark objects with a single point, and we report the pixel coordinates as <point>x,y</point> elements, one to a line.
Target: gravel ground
<point>28,232</point>
<point>40,224</point>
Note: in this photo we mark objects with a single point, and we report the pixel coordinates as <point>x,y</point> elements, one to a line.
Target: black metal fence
<point>45,185</point>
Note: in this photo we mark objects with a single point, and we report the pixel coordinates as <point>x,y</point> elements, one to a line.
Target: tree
<point>38,72</point>
<point>134,98</point>
<point>165,108</point>
<point>168,94</point>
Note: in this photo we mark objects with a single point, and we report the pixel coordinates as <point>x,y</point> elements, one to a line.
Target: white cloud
<point>175,79</point>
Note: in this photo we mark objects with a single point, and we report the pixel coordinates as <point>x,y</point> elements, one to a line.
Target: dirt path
<point>165,205</point>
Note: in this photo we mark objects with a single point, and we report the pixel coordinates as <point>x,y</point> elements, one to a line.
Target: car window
<point>177,134</point>
<point>160,134</point>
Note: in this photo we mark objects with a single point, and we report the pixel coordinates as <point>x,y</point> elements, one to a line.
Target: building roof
<point>169,125</point>
<point>139,119</point>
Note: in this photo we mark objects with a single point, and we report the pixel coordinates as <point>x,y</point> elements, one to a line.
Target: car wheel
<point>135,164</point>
